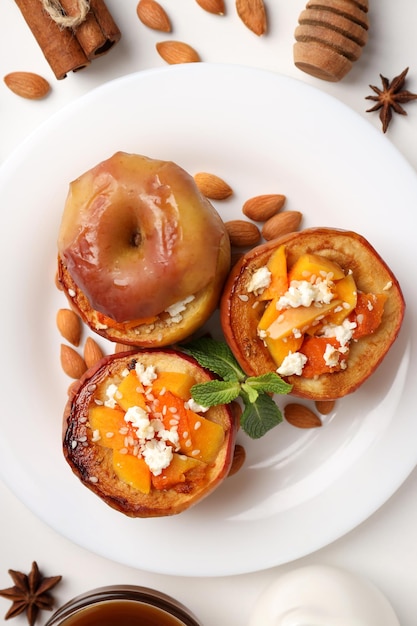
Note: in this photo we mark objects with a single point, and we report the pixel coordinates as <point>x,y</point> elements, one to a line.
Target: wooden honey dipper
<point>330,37</point>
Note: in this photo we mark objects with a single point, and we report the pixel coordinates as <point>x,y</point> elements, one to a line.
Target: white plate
<point>263,133</point>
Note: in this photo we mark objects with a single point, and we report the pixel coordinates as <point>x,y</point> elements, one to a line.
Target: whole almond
<point>69,325</point>
<point>212,186</point>
<point>253,15</point>
<point>174,52</point>
<point>239,457</point>
<point>213,6</point>
<point>27,85</point>
<point>281,224</point>
<point>261,208</point>
<point>92,352</point>
<point>122,347</point>
<point>243,233</point>
<point>301,416</point>
<point>71,362</point>
<point>153,15</point>
<point>325,406</point>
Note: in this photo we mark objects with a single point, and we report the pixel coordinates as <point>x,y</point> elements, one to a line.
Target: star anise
<point>390,98</point>
<point>30,593</point>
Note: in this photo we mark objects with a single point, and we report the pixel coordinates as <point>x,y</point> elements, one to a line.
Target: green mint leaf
<point>217,357</point>
<point>215,392</point>
<point>260,416</point>
<point>249,392</point>
<point>268,383</point>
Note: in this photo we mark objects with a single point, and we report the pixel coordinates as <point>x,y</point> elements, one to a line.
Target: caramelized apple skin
<point>137,236</point>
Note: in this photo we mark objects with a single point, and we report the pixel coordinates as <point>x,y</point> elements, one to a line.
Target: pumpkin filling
<point>312,312</point>
<point>156,432</point>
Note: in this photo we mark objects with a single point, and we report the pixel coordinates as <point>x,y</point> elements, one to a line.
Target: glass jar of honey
<point>123,605</point>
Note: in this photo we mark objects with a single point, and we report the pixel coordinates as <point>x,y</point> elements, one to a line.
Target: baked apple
<point>133,435</point>
<point>142,254</point>
<point>319,306</point>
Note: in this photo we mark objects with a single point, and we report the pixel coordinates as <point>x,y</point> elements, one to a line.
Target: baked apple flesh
<point>138,237</point>
<point>309,312</point>
<point>154,437</point>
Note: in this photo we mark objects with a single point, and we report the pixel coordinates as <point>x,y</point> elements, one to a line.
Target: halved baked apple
<point>133,435</point>
<point>319,306</point>
<point>142,254</point>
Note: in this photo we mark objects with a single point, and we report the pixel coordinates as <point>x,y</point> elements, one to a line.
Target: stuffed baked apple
<point>319,306</point>
<point>134,436</point>
<point>142,254</point>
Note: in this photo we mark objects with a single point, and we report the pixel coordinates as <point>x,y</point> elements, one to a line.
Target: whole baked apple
<point>320,307</point>
<point>133,435</point>
<point>142,254</point>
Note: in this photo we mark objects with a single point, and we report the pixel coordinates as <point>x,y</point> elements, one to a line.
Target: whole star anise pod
<point>30,593</point>
<point>390,98</point>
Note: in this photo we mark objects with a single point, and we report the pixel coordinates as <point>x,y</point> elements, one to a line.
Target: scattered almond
<point>239,457</point>
<point>301,416</point>
<point>213,6</point>
<point>325,406</point>
<point>92,352</point>
<point>253,15</point>
<point>69,325</point>
<point>243,233</point>
<point>122,347</point>
<point>212,186</point>
<point>281,224</point>
<point>153,15</point>
<point>72,363</point>
<point>261,208</point>
<point>174,52</point>
<point>27,85</point>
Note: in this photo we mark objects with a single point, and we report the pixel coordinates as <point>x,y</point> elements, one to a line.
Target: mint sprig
<point>261,413</point>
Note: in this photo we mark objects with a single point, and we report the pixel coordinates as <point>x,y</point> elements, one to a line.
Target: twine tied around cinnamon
<point>57,13</point>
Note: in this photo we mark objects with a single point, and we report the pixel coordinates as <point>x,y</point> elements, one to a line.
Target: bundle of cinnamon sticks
<point>70,48</point>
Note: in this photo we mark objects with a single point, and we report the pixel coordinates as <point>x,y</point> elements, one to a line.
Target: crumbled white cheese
<point>305,293</point>
<point>158,455</point>
<point>292,364</point>
<point>111,391</point>
<point>260,280</point>
<point>387,286</point>
<point>194,406</point>
<point>342,332</point>
<point>179,307</point>
<point>145,374</point>
<point>139,419</point>
<point>331,355</point>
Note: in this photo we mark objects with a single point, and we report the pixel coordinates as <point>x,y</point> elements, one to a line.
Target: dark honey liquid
<point>121,613</point>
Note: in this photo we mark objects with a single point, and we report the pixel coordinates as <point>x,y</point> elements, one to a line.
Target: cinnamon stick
<point>98,33</point>
<point>60,47</point>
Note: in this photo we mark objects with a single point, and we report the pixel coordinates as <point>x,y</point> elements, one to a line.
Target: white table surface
<point>383,548</point>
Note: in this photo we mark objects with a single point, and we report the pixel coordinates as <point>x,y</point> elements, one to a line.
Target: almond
<point>72,363</point>
<point>300,416</point>
<point>213,6</point>
<point>153,15</point>
<point>243,233</point>
<point>27,85</point>
<point>281,224</point>
<point>261,208</point>
<point>69,325</point>
<point>92,352</point>
<point>325,406</point>
<point>253,15</point>
<point>177,52</point>
<point>122,347</point>
<point>212,186</point>
<point>239,457</point>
